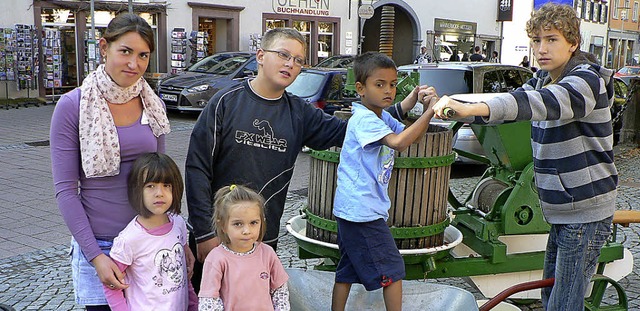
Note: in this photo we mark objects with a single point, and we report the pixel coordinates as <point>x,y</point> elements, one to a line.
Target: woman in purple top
<point>97,132</point>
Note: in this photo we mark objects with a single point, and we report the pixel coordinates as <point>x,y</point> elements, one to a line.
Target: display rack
<point>91,52</point>
<point>178,50</point>
<point>9,41</point>
<point>26,52</point>
<point>198,44</point>
<point>52,59</point>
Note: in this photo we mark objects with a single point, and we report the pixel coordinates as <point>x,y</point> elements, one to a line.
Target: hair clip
<point>232,187</point>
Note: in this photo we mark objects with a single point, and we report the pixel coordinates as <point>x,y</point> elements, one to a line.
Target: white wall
<point>482,12</point>
<point>516,42</point>
<point>16,12</point>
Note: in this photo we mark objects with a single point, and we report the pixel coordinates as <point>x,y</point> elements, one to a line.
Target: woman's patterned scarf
<point>99,145</point>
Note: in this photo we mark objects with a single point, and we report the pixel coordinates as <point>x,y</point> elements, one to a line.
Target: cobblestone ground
<point>40,279</point>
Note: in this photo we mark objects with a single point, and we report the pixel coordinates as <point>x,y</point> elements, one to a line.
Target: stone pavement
<point>34,271</point>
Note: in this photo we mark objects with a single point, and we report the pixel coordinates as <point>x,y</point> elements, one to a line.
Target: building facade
<point>63,41</point>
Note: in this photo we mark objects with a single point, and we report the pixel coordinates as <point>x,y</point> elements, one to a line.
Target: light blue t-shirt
<point>365,166</point>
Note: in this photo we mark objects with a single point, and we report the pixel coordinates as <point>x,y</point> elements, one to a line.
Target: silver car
<point>468,77</point>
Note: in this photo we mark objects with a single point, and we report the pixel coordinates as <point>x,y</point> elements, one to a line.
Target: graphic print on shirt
<point>386,156</point>
<point>169,264</point>
<point>264,137</point>
<point>264,276</point>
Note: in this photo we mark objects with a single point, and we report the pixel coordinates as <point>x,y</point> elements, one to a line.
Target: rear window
<point>219,64</point>
<point>448,81</point>
<point>306,84</point>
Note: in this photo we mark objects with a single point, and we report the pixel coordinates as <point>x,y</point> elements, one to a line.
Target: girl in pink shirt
<point>242,273</point>
<point>150,251</point>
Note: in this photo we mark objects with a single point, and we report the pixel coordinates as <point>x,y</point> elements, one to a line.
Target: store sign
<point>538,3</point>
<point>451,26</point>
<point>366,11</point>
<point>505,10</point>
<point>301,7</point>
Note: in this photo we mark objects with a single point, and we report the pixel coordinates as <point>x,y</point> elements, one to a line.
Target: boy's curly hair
<point>559,16</point>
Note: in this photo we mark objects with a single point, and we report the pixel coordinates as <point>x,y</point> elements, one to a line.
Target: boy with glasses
<point>251,133</point>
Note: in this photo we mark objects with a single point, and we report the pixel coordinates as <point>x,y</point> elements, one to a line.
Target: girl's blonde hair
<point>154,167</point>
<point>228,196</point>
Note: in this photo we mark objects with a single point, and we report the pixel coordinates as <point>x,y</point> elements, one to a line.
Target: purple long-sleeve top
<point>93,208</point>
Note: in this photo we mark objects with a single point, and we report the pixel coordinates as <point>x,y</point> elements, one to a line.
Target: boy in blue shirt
<point>368,252</point>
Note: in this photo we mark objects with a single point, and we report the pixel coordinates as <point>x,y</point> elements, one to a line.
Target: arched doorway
<point>406,37</point>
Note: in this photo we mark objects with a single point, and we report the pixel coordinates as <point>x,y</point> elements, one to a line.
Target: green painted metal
<point>444,265</point>
<point>396,232</point>
<point>521,212</point>
<point>326,155</point>
<point>594,301</point>
<point>507,145</point>
<point>403,162</point>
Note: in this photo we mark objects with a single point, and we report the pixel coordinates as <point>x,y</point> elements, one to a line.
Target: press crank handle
<point>448,112</point>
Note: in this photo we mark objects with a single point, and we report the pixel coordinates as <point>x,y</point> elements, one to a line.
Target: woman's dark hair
<point>129,22</point>
<point>158,168</point>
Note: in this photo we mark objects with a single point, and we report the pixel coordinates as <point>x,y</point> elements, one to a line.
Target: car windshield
<point>447,81</point>
<point>220,64</point>
<point>306,84</point>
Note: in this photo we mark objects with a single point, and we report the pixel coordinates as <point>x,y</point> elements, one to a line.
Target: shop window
<point>604,13</point>
<point>275,23</point>
<point>304,27</point>
<point>325,40</point>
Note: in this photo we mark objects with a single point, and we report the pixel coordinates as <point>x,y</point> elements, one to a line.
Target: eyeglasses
<point>286,57</point>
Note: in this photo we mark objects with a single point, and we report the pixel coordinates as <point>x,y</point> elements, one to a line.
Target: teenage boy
<point>251,133</point>
<point>568,103</point>
<point>369,255</point>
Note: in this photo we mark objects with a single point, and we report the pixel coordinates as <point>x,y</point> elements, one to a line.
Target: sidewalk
<point>35,274</point>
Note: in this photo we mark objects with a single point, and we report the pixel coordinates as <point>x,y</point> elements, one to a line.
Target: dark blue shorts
<point>369,255</point>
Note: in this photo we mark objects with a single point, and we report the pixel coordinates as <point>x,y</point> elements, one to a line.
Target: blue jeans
<point>87,287</point>
<point>571,258</point>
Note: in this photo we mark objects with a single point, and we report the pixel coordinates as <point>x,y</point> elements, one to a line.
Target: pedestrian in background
<point>251,134</point>
<point>494,57</point>
<point>362,203</point>
<point>525,62</point>
<point>97,131</point>
<point>150,251</point>
<point>568,102</point>
<point>476,56</point>
<point>423,57</point>
<point>242,273</point>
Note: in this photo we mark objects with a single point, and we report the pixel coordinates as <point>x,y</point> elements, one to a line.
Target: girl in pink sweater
<point>242,273</point>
